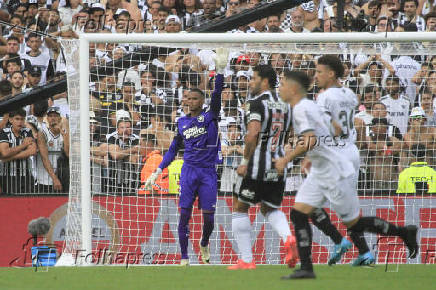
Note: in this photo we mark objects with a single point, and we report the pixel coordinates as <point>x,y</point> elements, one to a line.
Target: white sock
<point>279,223</point>
<point>241,227</point>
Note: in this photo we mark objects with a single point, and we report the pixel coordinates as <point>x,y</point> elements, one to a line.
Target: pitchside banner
<point>143,230</point>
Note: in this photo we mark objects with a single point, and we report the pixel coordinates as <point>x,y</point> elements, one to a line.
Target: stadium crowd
<point>134,109</point>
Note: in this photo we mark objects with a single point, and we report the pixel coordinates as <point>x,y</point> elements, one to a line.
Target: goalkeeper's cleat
<point>339,251</point>
<point>300,274</point>
<point>184,262</point>
<point>291,257</point>
<point>241,265</point>
<point>410,241</point>
<point>205,254</point>
<point>366,259</point>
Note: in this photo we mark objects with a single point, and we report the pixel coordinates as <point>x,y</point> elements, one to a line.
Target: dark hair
<point>124,119</point>
<point>374,3</point>
<point>298,76</point>
<point>18,17</point>
<point>418,150</point>
<point>40,108</point>
<point>13,57</point>
<point>32,34</point>
<point>17,72</point>
<point>164,9</point>
<point>416,3</point>
<point>430,15</point>
<point>12,38</point>
<point>334,63</point>
<point>266,71</point>
<point>369,89</point>
<point>198,91</point>
<point>393,78</point>
<point>5,88</point>
<point>18,112</point>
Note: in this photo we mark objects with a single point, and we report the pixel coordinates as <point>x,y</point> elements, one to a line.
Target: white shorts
<point>341,193</point>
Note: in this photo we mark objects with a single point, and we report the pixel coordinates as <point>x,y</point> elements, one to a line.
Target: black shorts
<point>255,191</point>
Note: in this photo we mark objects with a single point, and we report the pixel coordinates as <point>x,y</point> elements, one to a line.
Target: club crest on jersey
<point>200,118</point>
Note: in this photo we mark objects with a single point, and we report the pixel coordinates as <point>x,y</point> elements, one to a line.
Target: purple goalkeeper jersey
<point>199,135</point>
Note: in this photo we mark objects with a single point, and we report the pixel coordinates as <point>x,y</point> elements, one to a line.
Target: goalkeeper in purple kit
<point>197,132</point>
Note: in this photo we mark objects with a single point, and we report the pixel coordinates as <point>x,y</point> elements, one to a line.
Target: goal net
<point>136,93</point>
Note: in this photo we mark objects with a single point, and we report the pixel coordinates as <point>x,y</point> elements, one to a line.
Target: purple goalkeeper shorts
<point>201,182</point>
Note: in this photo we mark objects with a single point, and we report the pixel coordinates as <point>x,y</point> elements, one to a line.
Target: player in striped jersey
<point>332,173</point>
<point>268,122</point>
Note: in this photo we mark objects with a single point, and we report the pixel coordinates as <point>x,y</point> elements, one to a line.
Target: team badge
<point>51,143</point>
<point>200,118</point>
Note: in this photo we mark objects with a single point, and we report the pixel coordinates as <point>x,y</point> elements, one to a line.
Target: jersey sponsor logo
<point>397,114</point>
<point>421,179</point>
<point>194,132</point>
<point>277,106</point>
<point>200,118</point>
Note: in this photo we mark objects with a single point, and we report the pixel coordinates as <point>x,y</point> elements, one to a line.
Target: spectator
<point>150,162</point>
<point>38,57</point>
<point>232,148</point>
<point>383,24</point>
<point>296,22</point>
<point>372,14</point>
<point>273,23</point>
<point>382,150</point>
<point>410,15</point>
<point>173,24</point>
<point>209,10</point>
<point>430,21</point>
<point>158,128</point>
<point>17,145</point>
<point>418,133</point>
<point>5,90</point>
<point>17,82</point>
<point>427,104</point>
<point>52,141</point>
<point>33,78</point>
<point>191,13</point>
<point>122,151</point>
<point>232,6</point>
<point>397,105</point>
<point>406,67</point>
<point>375,66</point>
<point>419,178</point>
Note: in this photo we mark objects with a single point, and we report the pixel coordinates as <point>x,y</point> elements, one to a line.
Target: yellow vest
<point>417,172</point>
<point>174,171</point>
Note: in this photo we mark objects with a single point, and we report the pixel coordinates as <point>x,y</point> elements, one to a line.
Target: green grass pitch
<point>218,277</point>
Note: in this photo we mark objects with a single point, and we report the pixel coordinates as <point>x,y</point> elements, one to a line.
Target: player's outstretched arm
<point>167,159</point>
<point>221,58</point>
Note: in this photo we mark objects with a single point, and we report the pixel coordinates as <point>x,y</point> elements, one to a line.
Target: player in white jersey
<point>329,174</point>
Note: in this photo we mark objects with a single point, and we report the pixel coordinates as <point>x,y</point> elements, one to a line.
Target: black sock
<point>303,233</point>
<point>379,226</point>
<point>322,221</point>
<point>359,241</point>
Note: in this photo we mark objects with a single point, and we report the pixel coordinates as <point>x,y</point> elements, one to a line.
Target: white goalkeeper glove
<point>150,181</point>
<point>221,59</point>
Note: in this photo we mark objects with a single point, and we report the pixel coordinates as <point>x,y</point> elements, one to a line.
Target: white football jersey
<point>55,145</point>
<point>307,116</point>
<point>398,111</point>
<point>339,104</point>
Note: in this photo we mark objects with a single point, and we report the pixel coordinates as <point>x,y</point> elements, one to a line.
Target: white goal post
<point>217,39</point>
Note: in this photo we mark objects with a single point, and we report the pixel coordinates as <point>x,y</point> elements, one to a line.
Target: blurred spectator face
<point>114,2</point>
<point>379,111</point>
<point>426,101</point>
<point>147,146</point>
<point>243,83</point>
<point>254,58</point>
<point>22,11</point>
<point>96,15</point>
<point>13,67</point>
<point>32,10</point>
<point>33,79</point>
<point>124,129</point>
<point>382,25</point>
<point>278,61</point>
<point>330,25</point>
<point>53,119</point>
<point>431,24</point>
<point>156,100</point>
<point>393,7</point>
<point>128,92</point>
<point>118,53</point>
<point>17,80</point>
<point>109,84</point>
<point>34,43</point>
<point>147,81</point>
<point>209,7</point>
<point>81,19</point>
<point>15,21</point>
<point>17,122</point>
<point>379,129</point>
<point>417,121</point>
<point>369,99</point>
<point>172,27</point>
<point>154,9</point>
<point>374,72</point>
<point>121,23</point>
<point>43,14</point>
<point>273,21</point>
<point>232,5</point>
<point>12,46</point>
<point>233,132</point>
<point>54,18</point>
<point>431,81</point>
<point>410,8</point>
<point>189,3</point>
<point>392,87</point>
<point>297,18</point>
<point>227,94</point>
<point>373,10</point>
<point>162,16</point>
<point>252,3</point>
<point>169,3</point>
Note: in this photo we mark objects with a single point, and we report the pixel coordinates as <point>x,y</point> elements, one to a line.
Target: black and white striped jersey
<point>18,167</point>
<point>275,118</point>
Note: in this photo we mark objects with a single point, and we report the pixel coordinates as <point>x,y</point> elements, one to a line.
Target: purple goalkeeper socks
<point>185,215</point>
<point>208,224</point>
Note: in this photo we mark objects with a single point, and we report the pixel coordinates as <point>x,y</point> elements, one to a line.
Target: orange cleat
<point>241,265</point>
<point>291,257</point>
